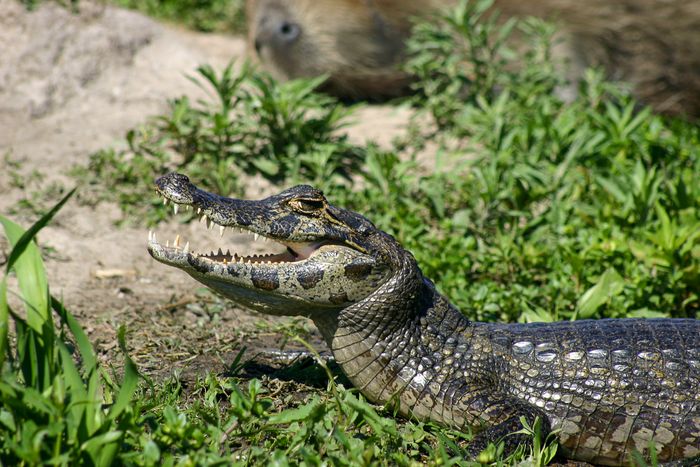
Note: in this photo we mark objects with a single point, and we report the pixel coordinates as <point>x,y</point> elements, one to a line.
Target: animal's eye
<point>307,205</point>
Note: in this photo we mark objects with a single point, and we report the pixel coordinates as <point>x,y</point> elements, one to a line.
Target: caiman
<point>607,387</point>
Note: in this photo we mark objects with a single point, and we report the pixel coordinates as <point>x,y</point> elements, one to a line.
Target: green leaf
<point>87,352</point>
<point>8,420</point>
<point>4,321</point>
<point>267,166</point>
<point>379,424</point>
<point>20,244</point>
<point>31,276</point>
<point>97,443</point>
<point>299,414</point>
<point>130,381</point>
<point>609,285</point>
<point>26,260</point>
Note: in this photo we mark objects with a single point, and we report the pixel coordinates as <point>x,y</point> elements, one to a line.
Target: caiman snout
<point>315,269</point>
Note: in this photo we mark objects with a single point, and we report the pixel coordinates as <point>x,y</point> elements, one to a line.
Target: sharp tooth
<point>165,201</point>
<point>225,261</point>
<point>228,252</point>
<point>220,253</point>
<point>199,210</point>
<point>221,230</point>
<point>175,207</point>
<point>150,235</point>
<point>210,224</point>
<point>187,247</point>
<point>154,238</point>
<point>167,243</point>
<point>255,236</point>
<point>203,219</point>
<point>177,240</point>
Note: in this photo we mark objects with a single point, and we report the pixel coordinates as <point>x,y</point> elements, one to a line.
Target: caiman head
<point>331,258</point>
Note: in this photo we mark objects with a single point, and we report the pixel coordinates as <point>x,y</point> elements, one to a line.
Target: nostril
<point>289,31</point>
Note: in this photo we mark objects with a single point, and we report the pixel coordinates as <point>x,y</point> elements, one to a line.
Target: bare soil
<point>71,84</point>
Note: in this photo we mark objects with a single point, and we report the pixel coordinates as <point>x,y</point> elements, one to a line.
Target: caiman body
<point>609,387</point>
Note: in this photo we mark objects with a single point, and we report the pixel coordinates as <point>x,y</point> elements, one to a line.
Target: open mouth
<point>291,251</point>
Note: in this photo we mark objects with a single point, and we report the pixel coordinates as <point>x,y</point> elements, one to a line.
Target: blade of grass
<point>31,275</point>
<point>29,267</point>
<point>4,321</point>
<point>130,381</point>
<point>87,352</point>
<point>20,244</point>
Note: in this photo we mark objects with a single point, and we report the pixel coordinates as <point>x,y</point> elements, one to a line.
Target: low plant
<point>546,200</point>
<point>251,125</point>
<point>53,409</point>
<point>201,15</point>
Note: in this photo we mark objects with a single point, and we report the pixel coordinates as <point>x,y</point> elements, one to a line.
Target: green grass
<point>537,209</point>
<point>201,15</point>
<point>73,5</point>
<point>253,125</point>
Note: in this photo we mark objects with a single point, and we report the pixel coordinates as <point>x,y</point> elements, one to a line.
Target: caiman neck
<point>391,343</point>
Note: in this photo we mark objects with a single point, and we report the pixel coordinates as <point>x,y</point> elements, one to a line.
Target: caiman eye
<point>306,205</point>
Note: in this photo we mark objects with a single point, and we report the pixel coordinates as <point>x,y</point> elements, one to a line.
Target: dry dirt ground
<point>71,84</point>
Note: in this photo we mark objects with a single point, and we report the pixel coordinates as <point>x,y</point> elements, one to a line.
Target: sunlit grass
<point>549,210</point>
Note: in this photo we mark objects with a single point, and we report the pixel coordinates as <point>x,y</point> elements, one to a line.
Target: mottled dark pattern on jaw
<point>198,265</point>
<point>283,226</point>
<point>232,271</point>
<point>339,298</point>
<point>265,279</point>
<point>357,272</point>
<point>310,276</point>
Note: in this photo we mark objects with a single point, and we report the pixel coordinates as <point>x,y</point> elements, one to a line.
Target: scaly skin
<point>609,387</point>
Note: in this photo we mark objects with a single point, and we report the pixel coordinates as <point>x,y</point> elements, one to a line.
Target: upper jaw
<point>254,217</point>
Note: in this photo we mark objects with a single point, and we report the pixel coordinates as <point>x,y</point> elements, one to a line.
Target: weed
<point>30,5</point>
<point>555,193</point>
<point>52,409</point>
<point>202,15</point>
<point>252,124</point>
<point>38,194</point>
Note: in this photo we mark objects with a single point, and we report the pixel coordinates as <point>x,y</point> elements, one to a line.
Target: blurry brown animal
<point>358,43</point>
<point>653,44</point>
